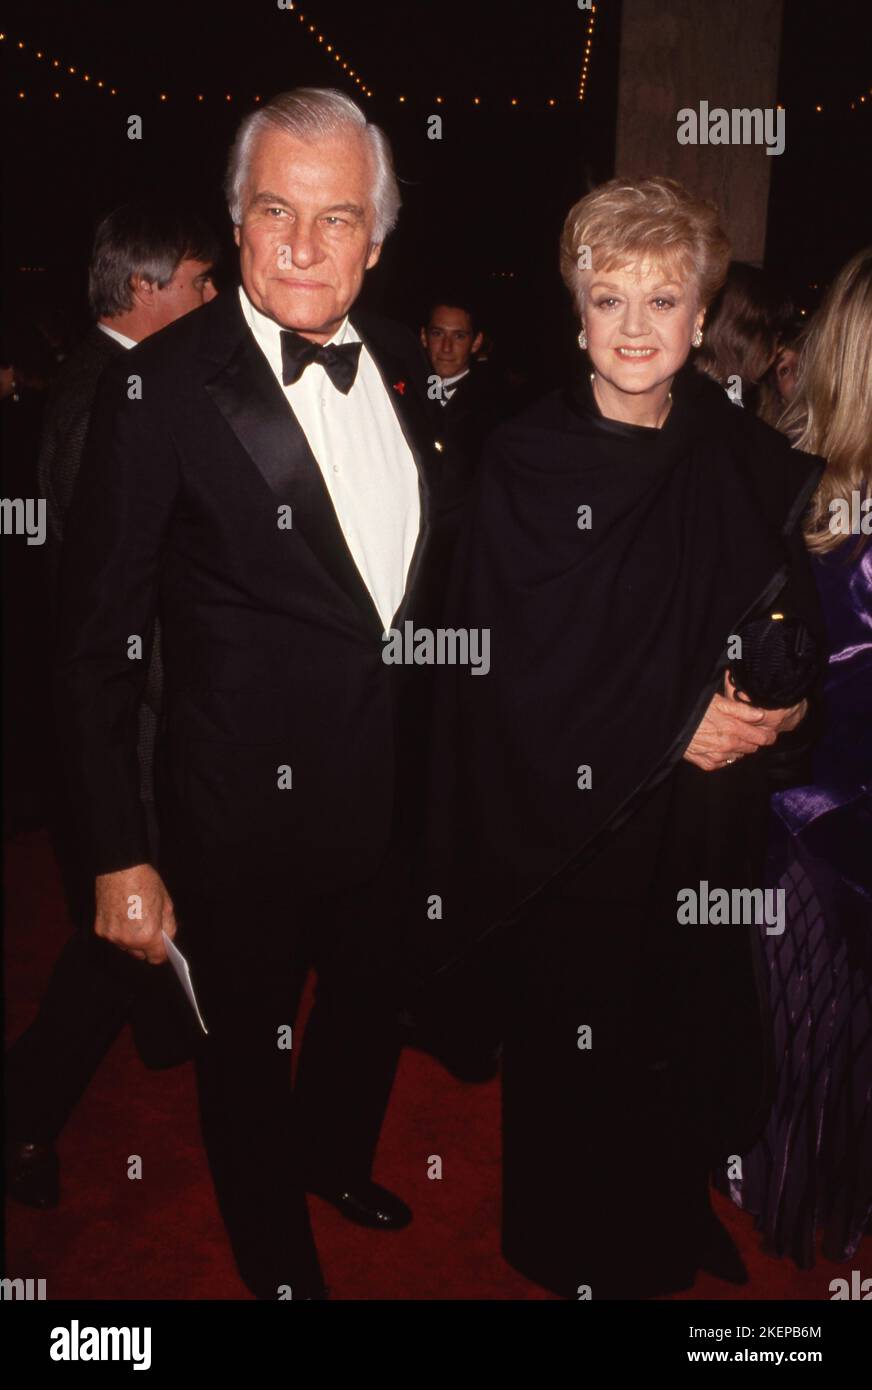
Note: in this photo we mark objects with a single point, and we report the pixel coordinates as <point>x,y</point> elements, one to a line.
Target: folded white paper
<point>182,969</point>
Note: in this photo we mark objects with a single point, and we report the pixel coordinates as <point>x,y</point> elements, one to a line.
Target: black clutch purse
<point>779,663</point>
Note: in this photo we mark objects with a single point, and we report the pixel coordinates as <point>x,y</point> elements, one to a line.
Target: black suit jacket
<point>65,429</point>
<point>282,730</point>
<point>478,403</point>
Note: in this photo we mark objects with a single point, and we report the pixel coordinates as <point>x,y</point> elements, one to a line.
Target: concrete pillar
<point>676,54</point>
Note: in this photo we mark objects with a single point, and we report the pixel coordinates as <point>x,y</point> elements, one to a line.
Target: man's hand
<point>133,907</point>
<point>732,727</point>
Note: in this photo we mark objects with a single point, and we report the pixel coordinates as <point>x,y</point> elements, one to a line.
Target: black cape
<point>607,639</point>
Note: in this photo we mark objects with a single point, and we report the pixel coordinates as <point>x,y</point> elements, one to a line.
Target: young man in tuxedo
<point>269,496</point>
<point>470,401</point>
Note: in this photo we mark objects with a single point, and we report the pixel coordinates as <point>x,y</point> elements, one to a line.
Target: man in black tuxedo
<point>149,265</point>
<point>264,486</point>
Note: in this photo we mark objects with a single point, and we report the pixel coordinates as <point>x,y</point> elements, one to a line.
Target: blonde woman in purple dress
<point>812,1169</point>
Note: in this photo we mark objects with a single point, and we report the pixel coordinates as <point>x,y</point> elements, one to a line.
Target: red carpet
<point>161,1237</point>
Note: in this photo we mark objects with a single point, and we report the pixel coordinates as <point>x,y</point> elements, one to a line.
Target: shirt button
<point>336,468</point>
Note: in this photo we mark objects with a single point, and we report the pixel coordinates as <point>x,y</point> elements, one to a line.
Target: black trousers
<point>94,990</point>
<point>266,1140</point>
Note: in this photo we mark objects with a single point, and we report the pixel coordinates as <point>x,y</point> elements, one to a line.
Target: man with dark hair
<point>149,266</point>
<point>452,337</point>
<point>468,400</point>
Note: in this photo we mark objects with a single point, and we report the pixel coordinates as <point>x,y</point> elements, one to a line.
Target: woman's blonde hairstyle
<point>831,410</point>
<point>645,222</point>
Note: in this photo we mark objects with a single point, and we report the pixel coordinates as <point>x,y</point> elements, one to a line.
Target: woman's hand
<point>732,727</point>
<point>784,721</point>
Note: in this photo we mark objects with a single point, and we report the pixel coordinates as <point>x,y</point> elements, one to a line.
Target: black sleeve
<point>60,455</point>
<point>109,583</point>
<point>46,467</point>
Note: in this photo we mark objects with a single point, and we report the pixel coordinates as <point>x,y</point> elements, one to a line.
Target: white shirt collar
<point>452,380</point>
<point>119,337</point>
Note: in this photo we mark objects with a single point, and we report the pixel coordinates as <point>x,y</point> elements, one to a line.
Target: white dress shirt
<point>363,456</point>
<point>119,337</point>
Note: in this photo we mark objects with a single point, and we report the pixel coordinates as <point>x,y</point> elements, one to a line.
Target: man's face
<point>639,325</point>
<point>449,341</point>
<point>306,236</point>
<point>190,287</point>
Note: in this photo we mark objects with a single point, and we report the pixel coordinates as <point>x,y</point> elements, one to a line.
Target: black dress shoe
<point>721,1256</point>
<point>365,1203</point>
<point>33,1174</point>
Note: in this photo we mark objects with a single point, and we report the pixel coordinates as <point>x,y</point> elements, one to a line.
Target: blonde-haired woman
<point>626,532</point>
<point>812,1168</point>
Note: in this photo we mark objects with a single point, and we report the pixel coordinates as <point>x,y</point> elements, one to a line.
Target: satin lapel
<point>251,401</point>
<point>396,373</point>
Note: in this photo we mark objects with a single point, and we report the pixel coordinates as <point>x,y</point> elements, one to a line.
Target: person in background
<point>811,1170</point>
<point>150,265</point>
<point>744,331</point>
<point>451,339</point>
<point>778,385</point>
<point>469,402</point>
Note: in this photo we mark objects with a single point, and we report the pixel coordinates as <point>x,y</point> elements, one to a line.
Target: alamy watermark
<point>852,518</point>
<point>28,1290</point>
<point>23,516</point>
<point>442,646</point>
<point>737,907</point>
<point>76,1343</point>
<point>741,125</point>
<point>859,1288</point>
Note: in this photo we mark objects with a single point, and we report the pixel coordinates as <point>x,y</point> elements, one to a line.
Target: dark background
<point>483,205</point>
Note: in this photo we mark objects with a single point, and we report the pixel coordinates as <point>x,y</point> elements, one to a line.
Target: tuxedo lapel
<point>247,394</point>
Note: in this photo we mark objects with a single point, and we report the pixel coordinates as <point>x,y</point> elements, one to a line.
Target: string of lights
<point>334,53</point>
<point>859,101</point>
<point>63,70</point>
<point>588,49</point>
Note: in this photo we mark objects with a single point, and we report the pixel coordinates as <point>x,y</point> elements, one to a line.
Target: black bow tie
<point>338,361</point>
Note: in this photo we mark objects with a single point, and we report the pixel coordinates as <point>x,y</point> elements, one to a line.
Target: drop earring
<point>582,340</point>
<point>697,338</point>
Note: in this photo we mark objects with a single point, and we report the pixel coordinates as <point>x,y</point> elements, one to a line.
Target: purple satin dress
<point>812,1167</point>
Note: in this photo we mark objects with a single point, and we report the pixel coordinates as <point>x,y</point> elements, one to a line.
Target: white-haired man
<point>269,494</point>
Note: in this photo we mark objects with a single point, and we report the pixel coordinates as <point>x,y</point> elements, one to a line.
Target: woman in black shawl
<point>626,532</point>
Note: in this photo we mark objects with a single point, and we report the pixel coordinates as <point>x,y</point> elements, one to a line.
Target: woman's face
<point>639,324</point>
